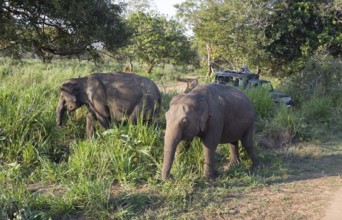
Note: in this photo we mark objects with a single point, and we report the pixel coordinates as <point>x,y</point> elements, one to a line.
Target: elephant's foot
<point>256,166</point>
<point>210,173</point>
<point>167,178</point>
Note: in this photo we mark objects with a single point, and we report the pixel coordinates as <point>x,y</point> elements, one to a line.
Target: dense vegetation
<point>47,28</point>
<point>50,172</point>
<point>46,171</point>
<point>278,37</point>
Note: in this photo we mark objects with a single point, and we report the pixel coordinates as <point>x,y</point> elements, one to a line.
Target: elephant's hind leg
<point>247,143</point>
<point>234,157</point>
<point>134,116</point>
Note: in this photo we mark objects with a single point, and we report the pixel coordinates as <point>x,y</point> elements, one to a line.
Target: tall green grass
<point>262,102</point>
<point>50,172</point>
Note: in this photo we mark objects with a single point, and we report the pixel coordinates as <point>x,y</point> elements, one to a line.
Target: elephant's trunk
<point>60,111</point>
<point>170,145</point>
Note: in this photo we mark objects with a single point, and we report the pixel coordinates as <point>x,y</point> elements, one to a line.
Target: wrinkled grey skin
<point>217,114</point>
<point>110,97</point>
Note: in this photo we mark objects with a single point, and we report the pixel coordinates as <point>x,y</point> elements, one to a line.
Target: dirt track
<point>334,211</point>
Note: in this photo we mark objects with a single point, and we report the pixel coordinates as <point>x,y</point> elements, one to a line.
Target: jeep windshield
<point>259,83</point>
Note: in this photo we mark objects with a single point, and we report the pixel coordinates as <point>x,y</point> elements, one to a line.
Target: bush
<point>317,109</point>
<point>262,102</point>
<point>321,76</point>
<point>289,120</point>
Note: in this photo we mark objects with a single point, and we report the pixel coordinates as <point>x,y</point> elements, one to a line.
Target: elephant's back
<point>117,78</point>
<point>124,80</point>
<point>235,100</point>
<point>129,89</point>
<point>225,94</point>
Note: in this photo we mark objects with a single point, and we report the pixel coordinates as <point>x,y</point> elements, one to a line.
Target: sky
<point>166,6</point>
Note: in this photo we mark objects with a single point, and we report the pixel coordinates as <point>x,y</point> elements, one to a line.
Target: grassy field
<point>48,172</point>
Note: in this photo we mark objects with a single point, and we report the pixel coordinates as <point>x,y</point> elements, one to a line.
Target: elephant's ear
<point>70,90</point>
<point>71,86</point>
<point>68,96</point>
<point>204,113</point>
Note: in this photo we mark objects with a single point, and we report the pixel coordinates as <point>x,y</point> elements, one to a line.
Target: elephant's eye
<point>185,122</point>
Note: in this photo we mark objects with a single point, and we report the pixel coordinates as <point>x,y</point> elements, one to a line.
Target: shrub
<point>128,153</point>
<point>262,102</point>
<point>317,109</point>
<point>289,120</point>
<point>321,76</point>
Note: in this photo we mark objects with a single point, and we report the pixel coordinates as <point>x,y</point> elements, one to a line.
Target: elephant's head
<point>69,99</point>
<point>186,118</point>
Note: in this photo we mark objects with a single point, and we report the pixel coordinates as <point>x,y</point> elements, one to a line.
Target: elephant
<point>110,97</point>
<point>215,113</point>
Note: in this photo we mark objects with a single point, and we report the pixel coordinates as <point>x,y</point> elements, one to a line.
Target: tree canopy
<point>60,27</point>
<point>274,34</point>
<point>231,29</point>
<point>156,39</point>
<point>297,29</point>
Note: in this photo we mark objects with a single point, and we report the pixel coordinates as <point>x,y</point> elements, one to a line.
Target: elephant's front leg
<point>103,120</point>
<point>209,161</point>
<point>90,126</point>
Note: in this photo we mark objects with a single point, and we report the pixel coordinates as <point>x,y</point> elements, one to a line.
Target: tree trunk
<point>150,67</point>
<point>130,65</point>
<point>209,51</point>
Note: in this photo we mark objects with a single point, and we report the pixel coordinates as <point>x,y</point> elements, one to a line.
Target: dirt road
<point>334,211</point>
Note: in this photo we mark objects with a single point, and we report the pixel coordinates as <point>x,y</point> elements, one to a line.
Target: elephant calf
<point>217,114</point>
<point>110,97</point>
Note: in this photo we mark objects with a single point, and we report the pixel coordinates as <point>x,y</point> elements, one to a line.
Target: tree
<point>156,39</point>
<point>60,28</point>
<point>229,32</point>
<point>280,35</point>
<point>132,6</point>
<point>299,28</point>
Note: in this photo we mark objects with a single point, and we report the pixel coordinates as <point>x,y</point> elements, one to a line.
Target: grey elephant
<point>217,114</point>
<point>110,97</point>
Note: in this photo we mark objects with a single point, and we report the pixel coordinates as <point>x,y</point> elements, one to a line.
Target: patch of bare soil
<point>304,199</point>
<point>334,211</point>
<point>275,139</point>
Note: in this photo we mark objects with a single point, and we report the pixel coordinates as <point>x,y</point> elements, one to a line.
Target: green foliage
<point>278,37</point>
<point>119,154</point>
<point>189,164</point>
<point>291,122</point>
<point>310,26</point>
<point>49,172</point>
<point>48,28</point>
<point>320,76</point>
<point>262,102</point>
<point>317,109</point>
<point>157,40</point>
<point>223,25</point>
